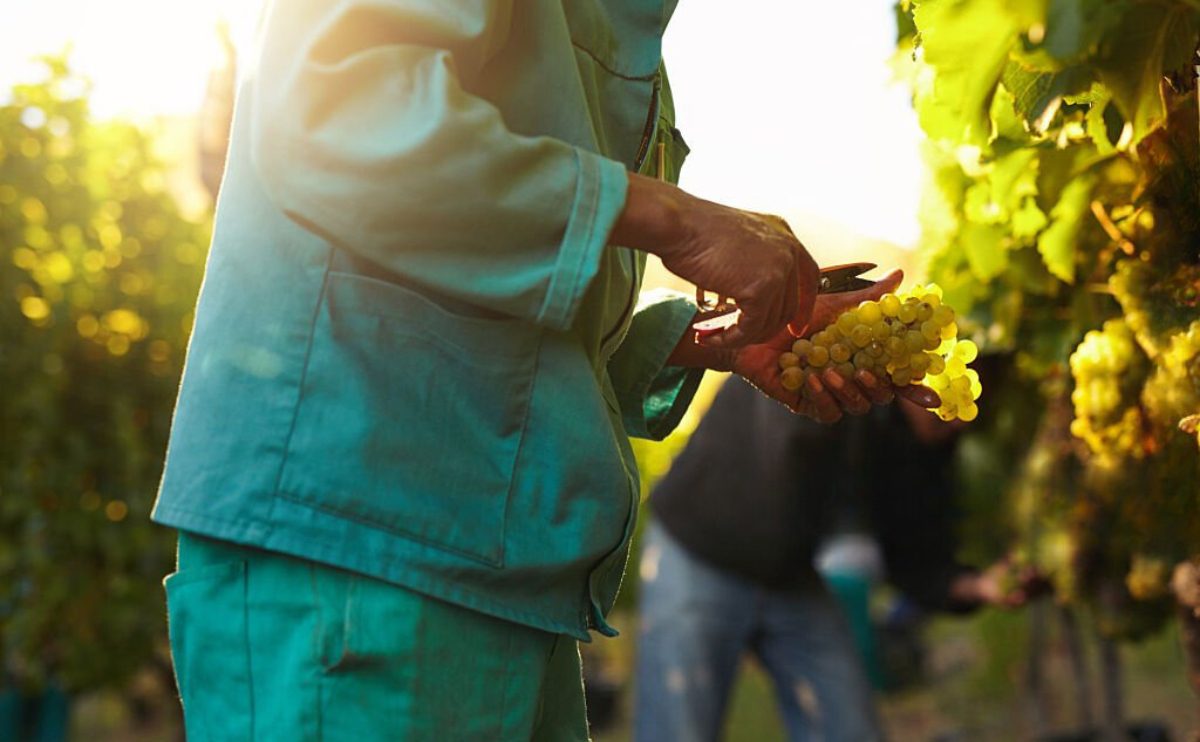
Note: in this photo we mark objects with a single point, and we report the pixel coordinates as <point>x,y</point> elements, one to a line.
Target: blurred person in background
<point>399,463</point>
<point>728,562</point>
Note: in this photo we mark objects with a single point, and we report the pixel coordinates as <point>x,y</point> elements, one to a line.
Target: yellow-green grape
<point>869,313</point>
<point>915,341</point>
<point>966,351</point>
<point>931,331</point>
<point>846,322</point>
<point>943,315</point>
<point>792,378</point>
<point>824,338</point>
<point>906,338</point>
<point>889,305</point>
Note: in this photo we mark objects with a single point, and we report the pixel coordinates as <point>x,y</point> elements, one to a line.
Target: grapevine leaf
<point>1152,39</point>
<point>1028,220</point>
<point>1038,95</point>
<point>986,249</point>
<point>967,42</point>
<point>1074,28</point>
<point>1057,242</point>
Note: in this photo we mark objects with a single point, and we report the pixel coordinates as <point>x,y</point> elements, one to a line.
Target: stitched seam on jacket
<point>312,334</point>
<point>636,78</point>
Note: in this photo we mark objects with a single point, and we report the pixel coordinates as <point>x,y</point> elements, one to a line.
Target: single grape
<point>788,360</point>
<point>792,378</point>
<point>847,322</point>
<point>889,305</point>
<point>869,313</point>
<point>839,353</point>
<point>966,351</point>
<point>818,356</point>
<point>801,347</point>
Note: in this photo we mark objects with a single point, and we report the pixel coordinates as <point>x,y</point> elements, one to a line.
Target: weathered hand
<point>751,258</point>
<point>827,396</point>
<point>1004,586</point>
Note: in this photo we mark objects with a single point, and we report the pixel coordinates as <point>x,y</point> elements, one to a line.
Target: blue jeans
<point>696,623</point>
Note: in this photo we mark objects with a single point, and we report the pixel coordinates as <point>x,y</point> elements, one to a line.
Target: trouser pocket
<point>206,608</point>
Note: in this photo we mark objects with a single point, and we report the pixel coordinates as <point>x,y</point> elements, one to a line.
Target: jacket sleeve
<point>365,132</point>
<point>654,396</point>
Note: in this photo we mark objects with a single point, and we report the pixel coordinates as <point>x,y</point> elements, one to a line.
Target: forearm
<point>653,218</point>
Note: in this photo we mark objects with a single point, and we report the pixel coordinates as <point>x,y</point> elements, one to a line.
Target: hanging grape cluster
<point>1173,390</point>
<point>907,338</point>
<point>1108,367</point>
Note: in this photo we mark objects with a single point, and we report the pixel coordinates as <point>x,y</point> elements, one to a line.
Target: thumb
<point>829,306</point>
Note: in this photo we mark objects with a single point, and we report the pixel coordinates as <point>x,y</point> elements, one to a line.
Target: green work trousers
<point>269,647</point>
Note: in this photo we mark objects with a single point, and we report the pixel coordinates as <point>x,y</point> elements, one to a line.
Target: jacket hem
<point>319,543</point>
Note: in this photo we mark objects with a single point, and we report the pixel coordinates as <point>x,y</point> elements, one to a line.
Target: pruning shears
<point>721,313</point>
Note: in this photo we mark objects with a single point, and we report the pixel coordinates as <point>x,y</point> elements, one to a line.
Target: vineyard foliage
<point>98,275</point>
<point>1063,219</point>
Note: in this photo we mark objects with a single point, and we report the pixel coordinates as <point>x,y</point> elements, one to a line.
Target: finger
<point>807,278</point>
<point>847,393</point>
<point>791,291</point>
<point>824,406</point>
<point>920,395</point>
<point>878,392</point>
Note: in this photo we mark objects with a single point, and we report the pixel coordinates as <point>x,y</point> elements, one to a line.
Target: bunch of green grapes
<point>907,338</point>
<point>1147,577</point>
<point>1108,367</point>
<point>1173,390</point>
<point>1157,304</point>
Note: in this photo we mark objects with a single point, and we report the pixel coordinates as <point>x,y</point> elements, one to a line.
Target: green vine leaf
<point>1151,40</point>
<point>1057,243</point>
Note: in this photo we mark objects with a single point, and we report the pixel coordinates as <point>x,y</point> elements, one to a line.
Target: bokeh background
<point>112,118</point>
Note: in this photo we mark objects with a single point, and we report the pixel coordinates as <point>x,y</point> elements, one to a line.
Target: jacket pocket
<point>410,416</point>
<point>206,609</point>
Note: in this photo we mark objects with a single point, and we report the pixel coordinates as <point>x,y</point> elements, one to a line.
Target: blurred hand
<point>751,258</point>
<point>1002,585</point>
<point>827,396</point>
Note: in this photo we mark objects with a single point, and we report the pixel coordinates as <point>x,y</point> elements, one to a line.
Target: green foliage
<point>98,276</point>
<point>1066,180</point>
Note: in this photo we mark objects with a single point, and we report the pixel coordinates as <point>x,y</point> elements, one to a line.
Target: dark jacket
<point>757,489</point>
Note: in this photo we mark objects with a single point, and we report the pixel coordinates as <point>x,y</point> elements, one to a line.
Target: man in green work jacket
<point>400,464</point>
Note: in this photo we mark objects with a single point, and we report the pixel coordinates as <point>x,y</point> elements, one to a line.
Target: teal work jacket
<point>414,355</point>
